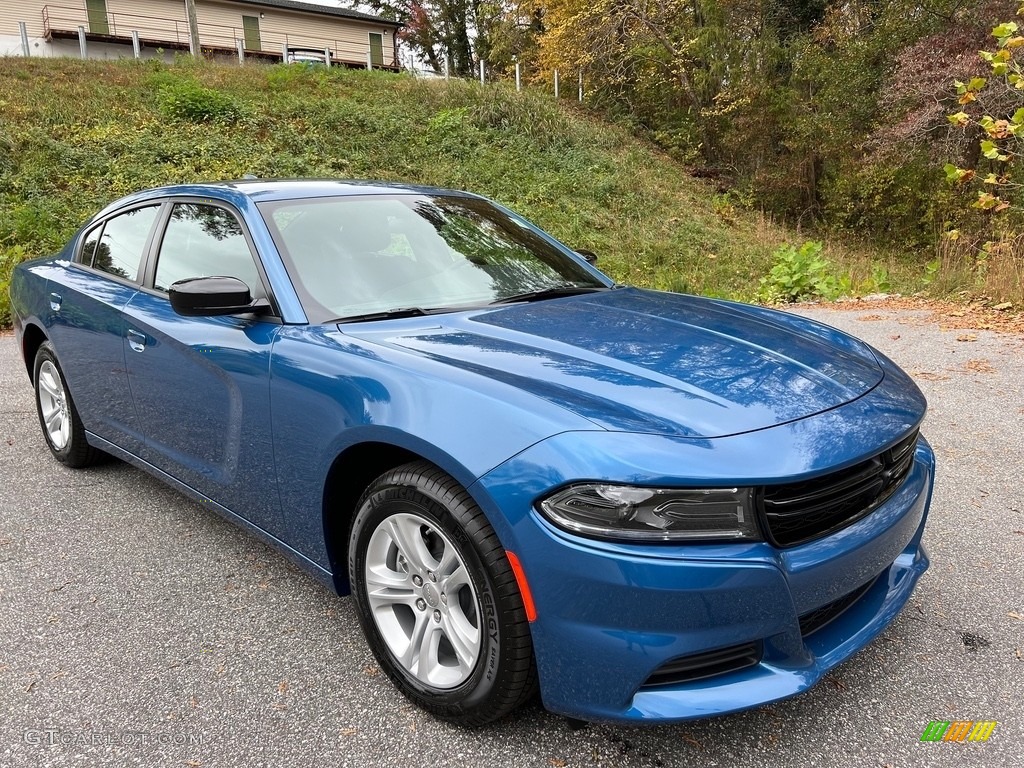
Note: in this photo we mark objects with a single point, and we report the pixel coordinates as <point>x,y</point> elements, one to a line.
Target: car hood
<point>644,361</point>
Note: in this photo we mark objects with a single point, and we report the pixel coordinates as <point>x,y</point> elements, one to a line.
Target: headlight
<point>654,514</point>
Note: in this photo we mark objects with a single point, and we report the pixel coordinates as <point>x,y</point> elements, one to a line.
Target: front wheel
<point>437,599</point>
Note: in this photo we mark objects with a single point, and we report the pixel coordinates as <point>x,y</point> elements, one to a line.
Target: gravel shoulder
<point>139,629</point>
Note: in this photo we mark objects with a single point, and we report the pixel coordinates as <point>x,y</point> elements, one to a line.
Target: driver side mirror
<point>589,256</point>
<point>209,296</point>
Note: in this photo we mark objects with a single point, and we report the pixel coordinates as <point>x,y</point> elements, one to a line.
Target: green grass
<point>76,135</point>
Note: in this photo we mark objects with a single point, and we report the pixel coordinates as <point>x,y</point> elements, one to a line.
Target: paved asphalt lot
<point>132,620</point>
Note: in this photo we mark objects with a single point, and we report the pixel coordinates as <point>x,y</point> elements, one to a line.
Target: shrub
<point>798,275</point>
<point>9,258</point>
<point>190,102</point>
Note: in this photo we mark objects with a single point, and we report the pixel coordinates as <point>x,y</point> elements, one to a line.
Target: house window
<point>96,11</point>
<point>376,49</point>
<point>251,29</point>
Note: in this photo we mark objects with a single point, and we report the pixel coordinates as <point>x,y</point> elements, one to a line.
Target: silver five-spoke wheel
<point>422,600</point>
<point>53,406</point>
<point>62,427</point>
<point>437,598</point>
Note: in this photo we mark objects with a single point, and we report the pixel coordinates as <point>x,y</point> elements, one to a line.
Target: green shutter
<point>376,49</point>
<point>251,28</point>
<point>97,14</point>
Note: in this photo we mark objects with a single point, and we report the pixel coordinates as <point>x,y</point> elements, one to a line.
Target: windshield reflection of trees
<point>516,259</point>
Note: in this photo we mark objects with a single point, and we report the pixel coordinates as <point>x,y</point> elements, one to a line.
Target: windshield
<point>361,255</point>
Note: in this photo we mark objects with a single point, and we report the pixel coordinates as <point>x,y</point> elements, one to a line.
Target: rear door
<point>86,327</point>
<point>201,385</point>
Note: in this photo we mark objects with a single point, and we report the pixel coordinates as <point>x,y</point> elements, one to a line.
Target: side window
<point>89,247</point>
<point>203,241</point>
<point>120,247</point>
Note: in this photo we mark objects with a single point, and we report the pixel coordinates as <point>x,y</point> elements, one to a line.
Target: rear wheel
<point>437,599</point>
<point>58,417</point>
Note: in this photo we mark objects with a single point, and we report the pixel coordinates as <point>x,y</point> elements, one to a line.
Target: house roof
<point>323,10</point>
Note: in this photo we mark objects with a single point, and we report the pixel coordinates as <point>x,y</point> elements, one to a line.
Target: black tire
<point>50,385</point>
<point>503,674</point>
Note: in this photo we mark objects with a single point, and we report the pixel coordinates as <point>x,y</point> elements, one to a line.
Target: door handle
<point>136,340</point>
<point>55,300</point>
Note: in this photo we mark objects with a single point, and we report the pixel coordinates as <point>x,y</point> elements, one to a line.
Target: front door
<point>377,49</point>
<point>96,12</point>
<point>200,384</point>
<point>251,30</point>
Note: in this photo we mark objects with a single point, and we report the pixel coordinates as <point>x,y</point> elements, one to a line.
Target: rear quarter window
<point>123,241</point>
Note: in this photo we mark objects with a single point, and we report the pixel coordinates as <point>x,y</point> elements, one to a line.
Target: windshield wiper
<point>550,293</point>
<point>388,314</point>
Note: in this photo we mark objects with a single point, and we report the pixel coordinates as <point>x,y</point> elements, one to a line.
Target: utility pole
<point>193,27</point>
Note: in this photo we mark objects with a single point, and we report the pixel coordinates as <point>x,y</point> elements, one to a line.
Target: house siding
<point>220,25</point>
<point>13,11</point>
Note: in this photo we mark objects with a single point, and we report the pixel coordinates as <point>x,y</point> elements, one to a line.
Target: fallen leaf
<point>349,731</point>
<point>1015,615</point>
<point>557,762</point>
<point>895,337</point>
<point>1003,307</point>
<point>979,366</point>
<point>928,376</point>
<point>967,337</point>
<point>692,741</point>
<point>282,687</point>
<point>1020,656</point>
<point>837,683</point>
<point>870,318</point>
<point>371,670</point>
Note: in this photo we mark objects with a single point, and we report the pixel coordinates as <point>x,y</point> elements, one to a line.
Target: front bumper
<point>611,615</point>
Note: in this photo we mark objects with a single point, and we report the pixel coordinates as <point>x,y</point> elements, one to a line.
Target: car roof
<point>260,190</point>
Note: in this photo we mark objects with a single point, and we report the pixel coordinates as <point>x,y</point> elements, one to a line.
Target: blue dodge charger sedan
<point>647,506</point>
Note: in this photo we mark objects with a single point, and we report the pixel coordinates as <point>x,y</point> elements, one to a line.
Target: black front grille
<point>814,620</point>
<point>799,512</point>
<point>708,664</point>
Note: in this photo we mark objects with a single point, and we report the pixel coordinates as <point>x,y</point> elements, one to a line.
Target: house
<point>270,30</point>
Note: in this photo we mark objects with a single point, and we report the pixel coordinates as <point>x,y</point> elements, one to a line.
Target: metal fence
<point>156,32</point>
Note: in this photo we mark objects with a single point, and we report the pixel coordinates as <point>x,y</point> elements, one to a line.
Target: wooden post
<point>327,56</point>
<point>369,58</point>
<point>284,52</point>
<point>25,50</point>
<point>581,86</point>
<point>519,80</point>
<point>193,28</point>
<point>556,83</point>
<point>136,44</point>
<point>481,71</point>
<point>447,67</point>
<point>240,47</point>
<point>82,46</point>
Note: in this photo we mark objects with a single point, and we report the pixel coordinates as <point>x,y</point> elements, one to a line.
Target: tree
<point>996,116</point>
<point>467,32</point>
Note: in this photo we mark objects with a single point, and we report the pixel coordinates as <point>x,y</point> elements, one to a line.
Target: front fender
<point>330,392</point>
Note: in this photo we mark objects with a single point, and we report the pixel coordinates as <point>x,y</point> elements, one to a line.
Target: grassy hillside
<point>76,135</point>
